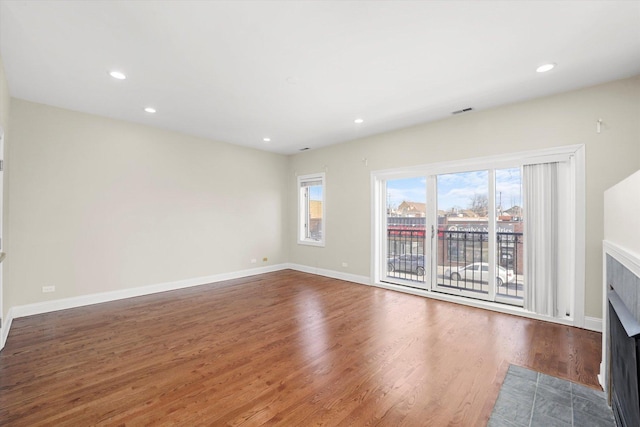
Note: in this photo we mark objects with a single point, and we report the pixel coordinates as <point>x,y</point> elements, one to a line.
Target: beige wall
<point>5,99</point>
<point>622,214</point>
<point>564,119</point>
<point>5,104</point>
<point>100,205</point>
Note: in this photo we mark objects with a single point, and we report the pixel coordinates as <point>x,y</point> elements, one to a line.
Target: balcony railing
<point>406,258</point>
<point>461,261</point>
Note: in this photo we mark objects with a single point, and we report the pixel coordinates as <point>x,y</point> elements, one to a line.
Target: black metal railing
<point>510,257</point>
<point>462,260</point>
<point>406,259</point>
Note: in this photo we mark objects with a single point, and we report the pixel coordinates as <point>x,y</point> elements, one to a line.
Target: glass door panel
<point>406,259</point>
<point>509,236</point>
<point>462,246</point>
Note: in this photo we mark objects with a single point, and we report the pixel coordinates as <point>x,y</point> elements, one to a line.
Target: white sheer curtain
<point>541,214</point>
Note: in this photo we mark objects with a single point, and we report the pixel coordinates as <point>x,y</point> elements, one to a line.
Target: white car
<point>479,272</point>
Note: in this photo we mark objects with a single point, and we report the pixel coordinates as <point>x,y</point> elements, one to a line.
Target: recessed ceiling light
<point>266,139</point>
<point>546,67</point>
<point>117,75</point>
<point>150,110</point>
<point>358,121</point>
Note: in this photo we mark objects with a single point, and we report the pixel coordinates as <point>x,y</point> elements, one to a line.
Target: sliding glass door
<point>459,233</point>
<point>406,256</point>
<point>480,238</point>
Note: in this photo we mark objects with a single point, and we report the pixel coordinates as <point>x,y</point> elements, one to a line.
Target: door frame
<point>3,320</point>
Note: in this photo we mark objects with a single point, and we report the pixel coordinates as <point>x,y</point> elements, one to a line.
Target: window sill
<point>311,243</point>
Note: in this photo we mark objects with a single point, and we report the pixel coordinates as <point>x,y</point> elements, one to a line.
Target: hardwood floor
<point>283,348</point>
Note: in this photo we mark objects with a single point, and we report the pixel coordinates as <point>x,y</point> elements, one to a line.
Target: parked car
<point>413,264</point>
<point>479,272</point>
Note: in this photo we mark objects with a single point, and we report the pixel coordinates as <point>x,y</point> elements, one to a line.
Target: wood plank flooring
<point>283,348</point>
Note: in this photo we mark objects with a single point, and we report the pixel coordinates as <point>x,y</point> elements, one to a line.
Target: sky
<point>457,190</point>
<point>315,192</point>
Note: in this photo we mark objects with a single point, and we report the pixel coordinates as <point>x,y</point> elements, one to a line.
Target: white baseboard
<point>601,378</point>
<point>6,326</point>
<point>83,300</point>
<point>590,323</point>
<point>471,302</point>
<point>80,301</point>
<point>355,278</point>
<point>593,323</point>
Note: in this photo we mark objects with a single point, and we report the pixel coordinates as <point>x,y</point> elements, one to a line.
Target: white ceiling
<point>301,72</point>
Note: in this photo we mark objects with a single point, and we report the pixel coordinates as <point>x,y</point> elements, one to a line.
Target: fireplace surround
<point>624,335</point>
<point>621,336</point>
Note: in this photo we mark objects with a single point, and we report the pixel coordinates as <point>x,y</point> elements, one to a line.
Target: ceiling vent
<point>464,110</point>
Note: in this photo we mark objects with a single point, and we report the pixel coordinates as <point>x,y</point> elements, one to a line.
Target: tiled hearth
<point>529,398</point>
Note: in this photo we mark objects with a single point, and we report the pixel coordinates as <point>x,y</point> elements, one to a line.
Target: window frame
<point>573,154</point>
<point>304,211</point>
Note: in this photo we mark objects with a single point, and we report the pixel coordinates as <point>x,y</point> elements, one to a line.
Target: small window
<point>311,211</point>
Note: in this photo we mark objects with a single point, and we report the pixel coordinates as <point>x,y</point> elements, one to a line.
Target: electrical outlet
<point>345,265</point>
<point>46,289</point>
<point>253,260</point>
<point>265,259</point>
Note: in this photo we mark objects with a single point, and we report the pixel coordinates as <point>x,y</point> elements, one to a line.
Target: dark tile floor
<point>529,398</point>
